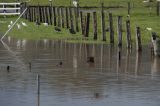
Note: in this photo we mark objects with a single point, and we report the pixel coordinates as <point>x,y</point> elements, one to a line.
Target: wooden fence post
<point>44,14</point>
<point>82,22</point>
<point>62,17</point>
<point>103,23</point>
<point>111,28</point>
<point>67,22</point>
<point>128,34</point>
<point>41,12</point>
<point>95,25</point>
<point>29,14</point>
<point>55,16</point>
<point>47,15</point>
<point>76,19</point>
<point>50,14</point>
<point>138,39</point>
<point>58,13</point>
<point>71,19</point>
<point>119,31</point>
<point>87,25</point>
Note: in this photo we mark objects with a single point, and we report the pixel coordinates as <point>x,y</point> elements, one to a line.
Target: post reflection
<point>155,67</point>
<point>75,64</point>
<point>137,64</point>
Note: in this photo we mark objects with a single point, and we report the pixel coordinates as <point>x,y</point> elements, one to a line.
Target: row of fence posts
<point>64,17</point>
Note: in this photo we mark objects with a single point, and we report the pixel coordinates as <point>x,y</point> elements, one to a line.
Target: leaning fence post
<point>119,30</point>
<point>111,28</point>
<point>103,22</point>
<point>138,39</point>
<point>95,25</point>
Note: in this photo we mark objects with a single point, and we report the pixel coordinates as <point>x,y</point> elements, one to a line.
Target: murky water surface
<point>67,79</point>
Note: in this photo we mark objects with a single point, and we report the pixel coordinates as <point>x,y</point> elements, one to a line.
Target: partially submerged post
<point>128,34</point>
<point>38,84</point>
<point>111,28</point>
<point>138,39</point>
<point>103,23</point>
<point>95,25</point>
<point>119,31</point>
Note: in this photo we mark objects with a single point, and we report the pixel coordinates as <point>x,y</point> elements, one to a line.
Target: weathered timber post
<point>67,22</point>
<point>158,8</point>
<point>128,34</point>
<point>95,25</point>
<point>111,28</point>
<point>29,14</point>
<point>82,23</point>
<point>38,84</point>
<point>38,14</point>
<point>41,12</point>
<point>119,31</point>
<point>76,18</point>
<point>55,16</point>
<point>87,25</point>
<point>50,14</point>
<point>44,14</point>
<point>103,23</point>
<point>59,20</point>
<point>32,13</point>
<point>47,15</point>
<point>62,18</point>
<point>71,19</point>
<point>138,39</point>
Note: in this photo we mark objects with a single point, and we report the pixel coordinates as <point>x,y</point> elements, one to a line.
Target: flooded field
<point>68,79</point>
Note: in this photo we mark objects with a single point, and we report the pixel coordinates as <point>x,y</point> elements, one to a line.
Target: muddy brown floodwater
<point>76,75</point>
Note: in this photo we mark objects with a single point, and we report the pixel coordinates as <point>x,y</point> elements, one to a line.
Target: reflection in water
<point>77,80</point>
<point>155,68</point>
<point>137,64</point>
<point>75,60</point>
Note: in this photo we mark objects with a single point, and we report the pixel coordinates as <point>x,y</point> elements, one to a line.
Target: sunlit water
<point>132,81</point>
